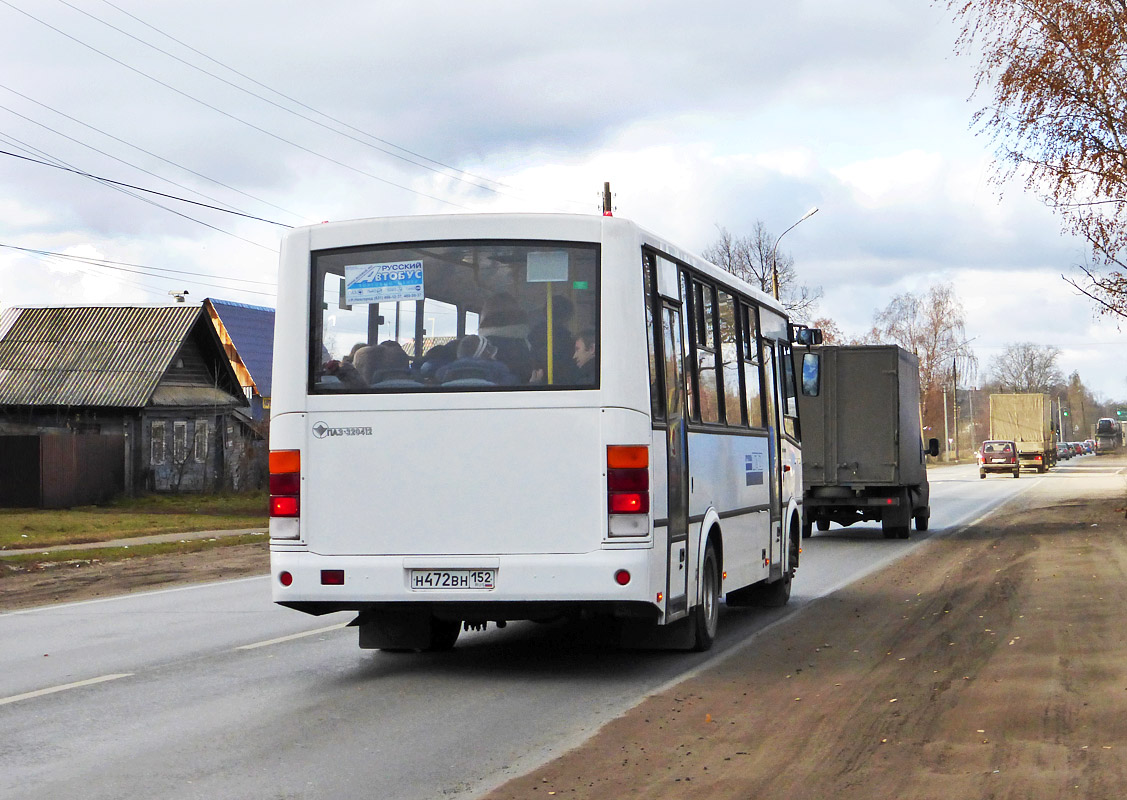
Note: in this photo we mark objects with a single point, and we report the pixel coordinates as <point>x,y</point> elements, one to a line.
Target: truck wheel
<point>982,473</point>
<point>706,616</point>
<point>823,524</point>
<point>922,519</point>
<point>1017,473</point>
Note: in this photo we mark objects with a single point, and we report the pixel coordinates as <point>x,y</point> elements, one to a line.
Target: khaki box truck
<point>862,444</point>
<point>1027,420</point>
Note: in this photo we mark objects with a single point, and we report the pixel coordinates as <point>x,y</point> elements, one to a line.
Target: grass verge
<point>28,529</point>
<point>28,561</point>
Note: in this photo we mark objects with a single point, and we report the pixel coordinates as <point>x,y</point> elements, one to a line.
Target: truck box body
<point>863,429</point>
<point>1026,420</point>
<point>863,455</point>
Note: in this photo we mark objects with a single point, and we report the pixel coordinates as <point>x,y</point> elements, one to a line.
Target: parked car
<point>997,455</point>
<point>1064,452</point>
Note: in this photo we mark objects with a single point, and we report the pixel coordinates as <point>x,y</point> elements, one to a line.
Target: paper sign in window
<point>547,266</point>
<point>384,283</point>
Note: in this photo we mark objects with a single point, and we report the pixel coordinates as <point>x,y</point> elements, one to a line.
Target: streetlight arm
<point>775,250</point>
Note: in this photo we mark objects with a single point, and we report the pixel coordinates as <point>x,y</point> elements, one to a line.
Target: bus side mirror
<point>800,334</point>
<point>811,374</point>
<point>933,447</point>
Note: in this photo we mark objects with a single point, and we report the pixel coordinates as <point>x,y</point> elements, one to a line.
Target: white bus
<point>501,417</point>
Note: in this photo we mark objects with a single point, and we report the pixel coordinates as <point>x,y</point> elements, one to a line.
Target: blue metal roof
<point>251,329</point>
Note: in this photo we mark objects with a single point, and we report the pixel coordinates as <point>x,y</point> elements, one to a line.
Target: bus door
<point>677,452</point>
<point>774,455</point>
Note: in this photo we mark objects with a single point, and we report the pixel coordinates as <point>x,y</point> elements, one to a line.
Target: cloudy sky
<point>700,115</point>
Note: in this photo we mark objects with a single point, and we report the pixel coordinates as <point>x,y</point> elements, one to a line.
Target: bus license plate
<point>427,579</point>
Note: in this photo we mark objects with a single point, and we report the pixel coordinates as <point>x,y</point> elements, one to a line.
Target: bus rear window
<point>451,316</point>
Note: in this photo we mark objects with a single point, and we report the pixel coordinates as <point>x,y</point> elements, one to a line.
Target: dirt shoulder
<point>992,663</point>
<point>89,578</point>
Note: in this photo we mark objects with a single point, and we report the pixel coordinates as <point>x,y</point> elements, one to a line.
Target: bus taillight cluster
<point>285,483</point>
<point>628,489</point>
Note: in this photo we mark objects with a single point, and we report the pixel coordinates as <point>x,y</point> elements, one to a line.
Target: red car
<point>998,456</point>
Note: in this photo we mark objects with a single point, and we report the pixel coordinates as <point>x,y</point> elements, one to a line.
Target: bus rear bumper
<point>524,586</point>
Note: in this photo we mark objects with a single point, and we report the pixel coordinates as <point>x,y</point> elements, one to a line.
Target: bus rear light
<point>285,483</point>
<point>628,480</point>
<point>332,577</point>
<point>628,502</point>
<point>285,461</point>
<point>285,506</point>
<point>628,489</point>
<point>285,578</point>
<point>622,577</point>
<point>628,457</point>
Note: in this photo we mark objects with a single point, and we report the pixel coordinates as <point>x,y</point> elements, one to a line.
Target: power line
<point>287,97</point>
<point>229,115</point>
<point>320,113</point>
<point>231,209</point>
<point>62,164</point>
<point>105,262</point>
<point>146,152</point>
<point>143,189</point>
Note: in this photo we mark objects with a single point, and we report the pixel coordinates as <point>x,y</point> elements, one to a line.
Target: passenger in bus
<point>506,326</point>
<point>345,373</point>
<point>476,362</point>
<point>437,357</point>
<point>390,362</point>
<point>562,342</point>
<point>586,363</point>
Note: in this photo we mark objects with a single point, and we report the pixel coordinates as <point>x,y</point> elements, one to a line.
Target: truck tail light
<point>628,490</point>
<point>285,483</point>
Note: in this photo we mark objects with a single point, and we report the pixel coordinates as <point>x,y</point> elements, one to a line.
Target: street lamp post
<point>775,250</point>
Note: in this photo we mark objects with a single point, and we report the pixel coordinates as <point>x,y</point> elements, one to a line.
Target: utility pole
<point>955,403</point>
<point>946,435</point>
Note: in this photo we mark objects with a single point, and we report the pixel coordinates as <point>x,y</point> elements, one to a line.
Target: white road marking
<point>292,636</point>
<point>78,684</point>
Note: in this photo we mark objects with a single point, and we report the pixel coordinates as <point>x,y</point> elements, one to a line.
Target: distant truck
<point>862,445</point>
<point>1108,435</point>
<point>1025,419</point>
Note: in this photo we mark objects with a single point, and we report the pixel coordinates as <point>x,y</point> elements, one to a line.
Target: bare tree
<point>933,327</point>
<point>831,331</point>
<point>1058,73</point>
<point>750,258</point>
<point>1026,367</point>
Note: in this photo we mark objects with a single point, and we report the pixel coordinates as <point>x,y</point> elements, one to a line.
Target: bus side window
<point>790,395</point>
<point>752,367</point>
<point>657,406</point>
<point>730,360</point>
<point>704,348</point>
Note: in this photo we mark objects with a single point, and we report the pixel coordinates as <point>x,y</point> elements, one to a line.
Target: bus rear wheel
<point>706,615</point>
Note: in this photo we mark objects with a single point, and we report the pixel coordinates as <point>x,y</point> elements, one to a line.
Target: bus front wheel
<point>706,615</point>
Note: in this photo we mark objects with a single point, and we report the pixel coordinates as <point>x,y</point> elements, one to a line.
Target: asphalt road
<point>211,692</point>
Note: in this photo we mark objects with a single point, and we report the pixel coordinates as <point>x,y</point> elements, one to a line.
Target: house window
<point>156,443</point>
<point>200,441</point>
<point>179,442</point>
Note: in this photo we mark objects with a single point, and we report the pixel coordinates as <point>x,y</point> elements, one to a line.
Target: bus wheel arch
<point>705,614</point>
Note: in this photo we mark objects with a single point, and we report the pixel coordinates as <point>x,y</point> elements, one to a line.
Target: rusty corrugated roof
<point>109,356</point>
